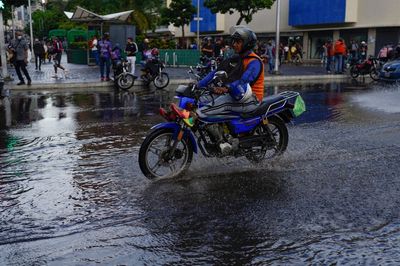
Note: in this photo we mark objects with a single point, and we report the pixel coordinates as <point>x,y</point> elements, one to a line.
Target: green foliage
<point>162,44</point>
<point>44,21</point>
<point>145,15</point>
<point>246,8</point>
<point>8,4</point>
<point>179,13</point>
<point>15,3</point>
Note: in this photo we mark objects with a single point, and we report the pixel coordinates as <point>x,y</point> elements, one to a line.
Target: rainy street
<point>72,193</point>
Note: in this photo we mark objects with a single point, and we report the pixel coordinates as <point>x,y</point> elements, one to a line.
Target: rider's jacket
<point>252,73</point>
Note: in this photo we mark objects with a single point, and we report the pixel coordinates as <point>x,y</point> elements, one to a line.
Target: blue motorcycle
<point>167,151</point>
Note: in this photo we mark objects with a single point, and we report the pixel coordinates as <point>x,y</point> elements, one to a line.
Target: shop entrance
<point>316,41</point>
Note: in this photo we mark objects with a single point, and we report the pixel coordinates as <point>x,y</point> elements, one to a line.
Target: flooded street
<point>72,193</point>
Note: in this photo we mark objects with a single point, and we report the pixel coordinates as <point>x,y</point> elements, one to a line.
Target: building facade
<point>313,22</point>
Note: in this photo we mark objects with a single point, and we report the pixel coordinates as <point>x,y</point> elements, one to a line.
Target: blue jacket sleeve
<point>204,82</point>
<point>237,88</point>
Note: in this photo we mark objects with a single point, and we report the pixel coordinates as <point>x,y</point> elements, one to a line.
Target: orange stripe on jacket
<point>258,86</point>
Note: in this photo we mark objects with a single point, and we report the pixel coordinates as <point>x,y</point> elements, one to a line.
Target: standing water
<point>71,191</point>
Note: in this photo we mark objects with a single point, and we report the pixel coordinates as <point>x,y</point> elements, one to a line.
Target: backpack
<point>233,66</point>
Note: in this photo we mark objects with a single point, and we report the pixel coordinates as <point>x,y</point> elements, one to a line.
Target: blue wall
<point>209,22</point>
<point>314,12</point>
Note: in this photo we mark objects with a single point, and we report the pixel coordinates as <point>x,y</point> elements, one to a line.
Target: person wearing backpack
<point>19,48</point>
<point>105,50</point>
<point>57,55</point>
<point>38,49</point>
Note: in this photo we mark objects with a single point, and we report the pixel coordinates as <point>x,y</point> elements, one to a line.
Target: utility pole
<point>4,71</point>
<point>198,24</point>
<point>30,27</point>
<point>277,41</point>
<point>12,22</point>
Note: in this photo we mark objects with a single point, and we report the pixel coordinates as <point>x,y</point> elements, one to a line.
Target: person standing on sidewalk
<point>329,56</point>
<point>57,51</point>
<point>340,52</point>
<point>105,50</point>
<point>131,49</point>
<point>38,49</point>
<point>94,50</point>
<point>270,53</point>
<point>19,47</point>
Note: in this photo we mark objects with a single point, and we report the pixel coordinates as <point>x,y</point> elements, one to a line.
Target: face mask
<point>19,37</point>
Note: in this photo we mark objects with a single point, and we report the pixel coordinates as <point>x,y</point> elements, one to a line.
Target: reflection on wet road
<point>71,192</point>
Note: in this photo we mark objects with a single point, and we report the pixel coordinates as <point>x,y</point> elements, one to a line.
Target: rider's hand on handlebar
<point>220,90</point>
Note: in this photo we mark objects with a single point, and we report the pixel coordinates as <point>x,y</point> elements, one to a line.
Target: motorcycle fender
<point>285,115</point>
<point>188,134</point>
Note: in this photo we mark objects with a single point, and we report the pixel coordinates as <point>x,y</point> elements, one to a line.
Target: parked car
<point>390,71</point>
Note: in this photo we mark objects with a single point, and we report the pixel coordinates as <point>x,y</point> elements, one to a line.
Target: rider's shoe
<point>225,148</point>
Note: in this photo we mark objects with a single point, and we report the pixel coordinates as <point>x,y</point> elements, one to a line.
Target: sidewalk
<point>83,76</point>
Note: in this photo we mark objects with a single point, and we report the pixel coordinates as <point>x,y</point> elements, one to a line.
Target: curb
<point>96,84</point>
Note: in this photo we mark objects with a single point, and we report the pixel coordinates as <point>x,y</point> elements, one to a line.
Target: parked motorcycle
<point>168,149</point>
<point>206,65</point>
<point>368,67</point>
<point>153,71</point>
<point>123,79</point>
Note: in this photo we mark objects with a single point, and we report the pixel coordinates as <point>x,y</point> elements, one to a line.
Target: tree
<point>144,15</point>
<point>179,13</point>
<point>246,8</point>
<point>9,3</point>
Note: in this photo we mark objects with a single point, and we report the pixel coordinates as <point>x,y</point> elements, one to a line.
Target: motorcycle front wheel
<point>161,81</point>
<point>156,160</point>
<point>125,81</point>
<point>374,74</point>
<point>278,139</point>
<point>354,73</point>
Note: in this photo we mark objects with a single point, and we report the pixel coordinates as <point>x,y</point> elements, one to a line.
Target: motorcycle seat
<point>264,106</point>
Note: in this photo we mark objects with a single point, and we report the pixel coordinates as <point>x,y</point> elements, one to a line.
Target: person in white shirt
<point>131,50</point>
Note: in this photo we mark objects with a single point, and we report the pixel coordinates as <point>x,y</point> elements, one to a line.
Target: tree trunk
<point>184,44</point>
<point>240,19</point>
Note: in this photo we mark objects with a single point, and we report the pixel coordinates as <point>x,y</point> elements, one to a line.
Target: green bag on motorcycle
<point>299,106</point>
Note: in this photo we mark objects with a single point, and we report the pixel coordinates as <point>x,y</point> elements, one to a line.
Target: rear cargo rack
<point>281,103</point>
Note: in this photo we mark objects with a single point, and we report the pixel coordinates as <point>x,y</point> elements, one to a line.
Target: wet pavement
<point>90,74</point>
<point>71,191</point>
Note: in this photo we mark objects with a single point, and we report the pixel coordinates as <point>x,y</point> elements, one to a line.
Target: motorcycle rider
<point>237,96</point>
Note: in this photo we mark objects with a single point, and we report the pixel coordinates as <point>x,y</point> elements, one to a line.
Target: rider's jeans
<point>223,104</point>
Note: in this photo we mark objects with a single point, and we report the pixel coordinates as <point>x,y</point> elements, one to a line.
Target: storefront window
<point>316,42</point>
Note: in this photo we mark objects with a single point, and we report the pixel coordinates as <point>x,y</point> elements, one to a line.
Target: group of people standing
<point>18,55</point>
<point>266,50</point>
<point>337,53</point>
<point>105,54</point>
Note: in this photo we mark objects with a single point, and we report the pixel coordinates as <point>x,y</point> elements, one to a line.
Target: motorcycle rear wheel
<point>154,159</point>
<point>278,133</point>
<point>161,81</point>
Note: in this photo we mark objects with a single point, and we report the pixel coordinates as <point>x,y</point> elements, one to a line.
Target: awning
<point>84,15</point>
